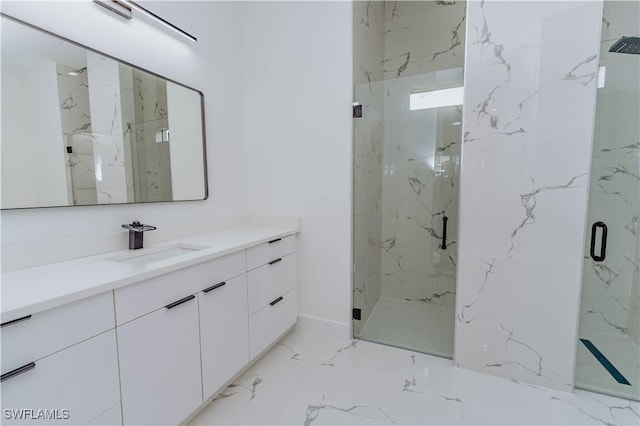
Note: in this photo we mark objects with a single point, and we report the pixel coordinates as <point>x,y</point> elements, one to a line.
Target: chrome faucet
<point>136,232</point>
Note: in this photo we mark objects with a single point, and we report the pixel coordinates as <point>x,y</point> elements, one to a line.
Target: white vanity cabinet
<point>160,365</point>
<point>152,350</point>
<point>273,302</point>
<point>224,332</point>
<point>177,333</point>
<point>60,366</point>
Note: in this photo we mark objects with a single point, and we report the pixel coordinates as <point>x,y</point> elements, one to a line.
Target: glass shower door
<point>608,357</point>
<point>406,180</point>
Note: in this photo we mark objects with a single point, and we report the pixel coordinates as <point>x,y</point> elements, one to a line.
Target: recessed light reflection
<point>436,98</point>
<point>99,168</point>
<point>602,71</point>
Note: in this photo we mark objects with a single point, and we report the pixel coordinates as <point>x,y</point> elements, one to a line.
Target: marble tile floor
<point>622,352</point>
<point>310,379</point>
<point>411,324</point>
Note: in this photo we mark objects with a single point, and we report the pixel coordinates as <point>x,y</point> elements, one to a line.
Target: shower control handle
<point>444,232</point>
<point>603,242</point>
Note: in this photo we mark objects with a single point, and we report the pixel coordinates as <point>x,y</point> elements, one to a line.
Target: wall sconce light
<point>124,8</point>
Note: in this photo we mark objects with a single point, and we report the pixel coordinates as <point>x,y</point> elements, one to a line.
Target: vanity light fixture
<point>124,9</point>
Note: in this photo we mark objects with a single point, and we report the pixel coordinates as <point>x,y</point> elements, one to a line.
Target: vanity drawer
<point>82,379</point>
<point>139,299</point>
<point>49,331</point>
<point>264,253</point>
<point>269,323</point>
<point>270,281</point>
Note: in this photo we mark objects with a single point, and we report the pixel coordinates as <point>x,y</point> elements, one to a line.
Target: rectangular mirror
<point>82,128</point>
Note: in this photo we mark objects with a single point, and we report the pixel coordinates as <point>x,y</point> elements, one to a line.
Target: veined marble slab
<point>530,82</point>
<point>307,379</point>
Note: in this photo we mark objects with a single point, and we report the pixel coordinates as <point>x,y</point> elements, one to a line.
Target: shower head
<point>629,45</point>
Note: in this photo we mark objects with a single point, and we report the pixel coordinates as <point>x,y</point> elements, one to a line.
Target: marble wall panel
<point>75,116</point>
<point>150,115</point>
<point>423,36</point>
<point>421,180</point>
<point>368,30</point>
<point>128,117</point>
<point>108,155</point>
<point>530,81</point>
<point>368,41</point>
<point>81,169</point>
<point>107,129</point>
<point>73,90</point>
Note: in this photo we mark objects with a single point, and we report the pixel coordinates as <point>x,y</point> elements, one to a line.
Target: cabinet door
<point>268,324</point>
<point>160,370</point>
<point>224,332</point>
<point>72,386</point>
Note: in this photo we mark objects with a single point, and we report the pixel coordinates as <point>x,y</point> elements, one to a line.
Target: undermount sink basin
<point>157,255</point>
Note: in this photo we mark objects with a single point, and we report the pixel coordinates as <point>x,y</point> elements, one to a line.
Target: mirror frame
<point>202,120</point>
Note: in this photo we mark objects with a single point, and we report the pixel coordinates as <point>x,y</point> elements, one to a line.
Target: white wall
<point>211,65</point>
<point>297,93</point>
<point>185,126</point>
<point>33,160</point>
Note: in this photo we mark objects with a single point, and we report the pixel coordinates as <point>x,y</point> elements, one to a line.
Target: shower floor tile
<point>411,325</point>
<point>311,379</point>
<point>622,352</point>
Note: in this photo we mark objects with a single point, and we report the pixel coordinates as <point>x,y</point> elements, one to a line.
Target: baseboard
<point>322,327</point>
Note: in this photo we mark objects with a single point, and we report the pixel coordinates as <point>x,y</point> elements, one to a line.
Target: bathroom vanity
<point>147,336</point>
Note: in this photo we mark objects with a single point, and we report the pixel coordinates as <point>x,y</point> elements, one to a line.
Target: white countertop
<point>32,290</point>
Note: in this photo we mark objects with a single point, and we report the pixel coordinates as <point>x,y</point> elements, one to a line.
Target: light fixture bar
<point>436,98</point>
<point>116,6</point>
<point>161,20</point>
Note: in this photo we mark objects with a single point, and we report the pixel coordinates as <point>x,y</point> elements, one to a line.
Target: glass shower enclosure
<point>407,146</point>
<point>608,358</point>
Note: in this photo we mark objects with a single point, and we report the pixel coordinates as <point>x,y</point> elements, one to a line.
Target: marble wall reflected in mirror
<point>81,128</point>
